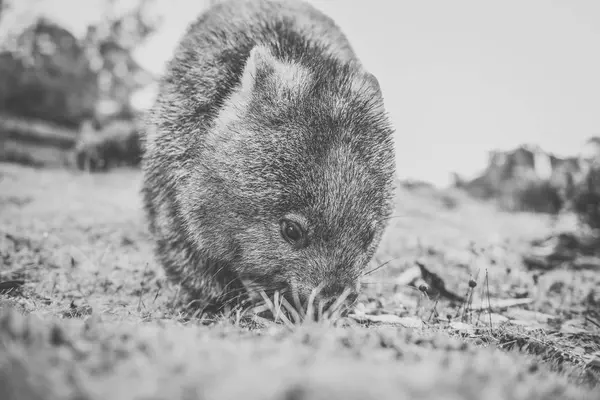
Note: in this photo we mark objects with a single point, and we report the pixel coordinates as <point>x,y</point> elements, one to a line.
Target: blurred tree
<point>47,73</point>
<point>110,46</point>
<point>47,76</point>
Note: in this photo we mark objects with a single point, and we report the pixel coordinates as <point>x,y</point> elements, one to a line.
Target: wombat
<point>269,158</point>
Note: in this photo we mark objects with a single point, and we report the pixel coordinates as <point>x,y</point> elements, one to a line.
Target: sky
<point>459,78</point>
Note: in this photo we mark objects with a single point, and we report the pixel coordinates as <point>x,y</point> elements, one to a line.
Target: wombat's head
<point>294,184</point>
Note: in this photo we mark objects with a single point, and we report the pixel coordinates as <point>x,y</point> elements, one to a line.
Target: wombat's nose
<point>335,290</point>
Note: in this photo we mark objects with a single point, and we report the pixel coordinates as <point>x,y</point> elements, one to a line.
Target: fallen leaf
<point>9,285</point>
<point>389,319</point>
<point>501,303</point>
<point>462,327</point>
<point>519,313</point>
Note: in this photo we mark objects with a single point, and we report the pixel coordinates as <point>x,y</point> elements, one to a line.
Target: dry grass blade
<point>261,308</point>
<point>298,305</point>
<point>290,309</point>
<point>334,310</point>
<point>310,305</point>
<point>275,309</point>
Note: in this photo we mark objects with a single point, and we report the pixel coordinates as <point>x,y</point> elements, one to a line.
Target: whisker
<point>381,266</point>
<point>393,217</point>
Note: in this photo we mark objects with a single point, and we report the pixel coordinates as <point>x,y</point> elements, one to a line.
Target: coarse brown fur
<point>266,115</point>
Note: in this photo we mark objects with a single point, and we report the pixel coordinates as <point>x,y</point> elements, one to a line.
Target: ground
<point>86,313</point>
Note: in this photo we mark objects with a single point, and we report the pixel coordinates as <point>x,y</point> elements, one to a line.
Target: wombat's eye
<point>293,233</point>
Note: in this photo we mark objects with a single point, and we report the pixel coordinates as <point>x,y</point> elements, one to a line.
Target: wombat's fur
<point>266,119</point>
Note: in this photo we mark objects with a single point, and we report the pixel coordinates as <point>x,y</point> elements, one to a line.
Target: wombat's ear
<point>259,63</point>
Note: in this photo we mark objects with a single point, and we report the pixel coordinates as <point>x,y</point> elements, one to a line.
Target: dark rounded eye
<point>292,233</point>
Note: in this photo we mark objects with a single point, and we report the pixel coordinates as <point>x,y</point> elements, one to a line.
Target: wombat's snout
<point>326,294</point>
<point>336,290</point>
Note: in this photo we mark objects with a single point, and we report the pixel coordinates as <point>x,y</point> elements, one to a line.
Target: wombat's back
<point>209,60</point>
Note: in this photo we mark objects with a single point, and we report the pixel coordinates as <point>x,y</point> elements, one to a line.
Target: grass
<point>85,312</point>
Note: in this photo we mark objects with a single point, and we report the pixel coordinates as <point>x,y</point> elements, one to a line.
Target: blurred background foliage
<point>48,73</point>
<point>65,99</point>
